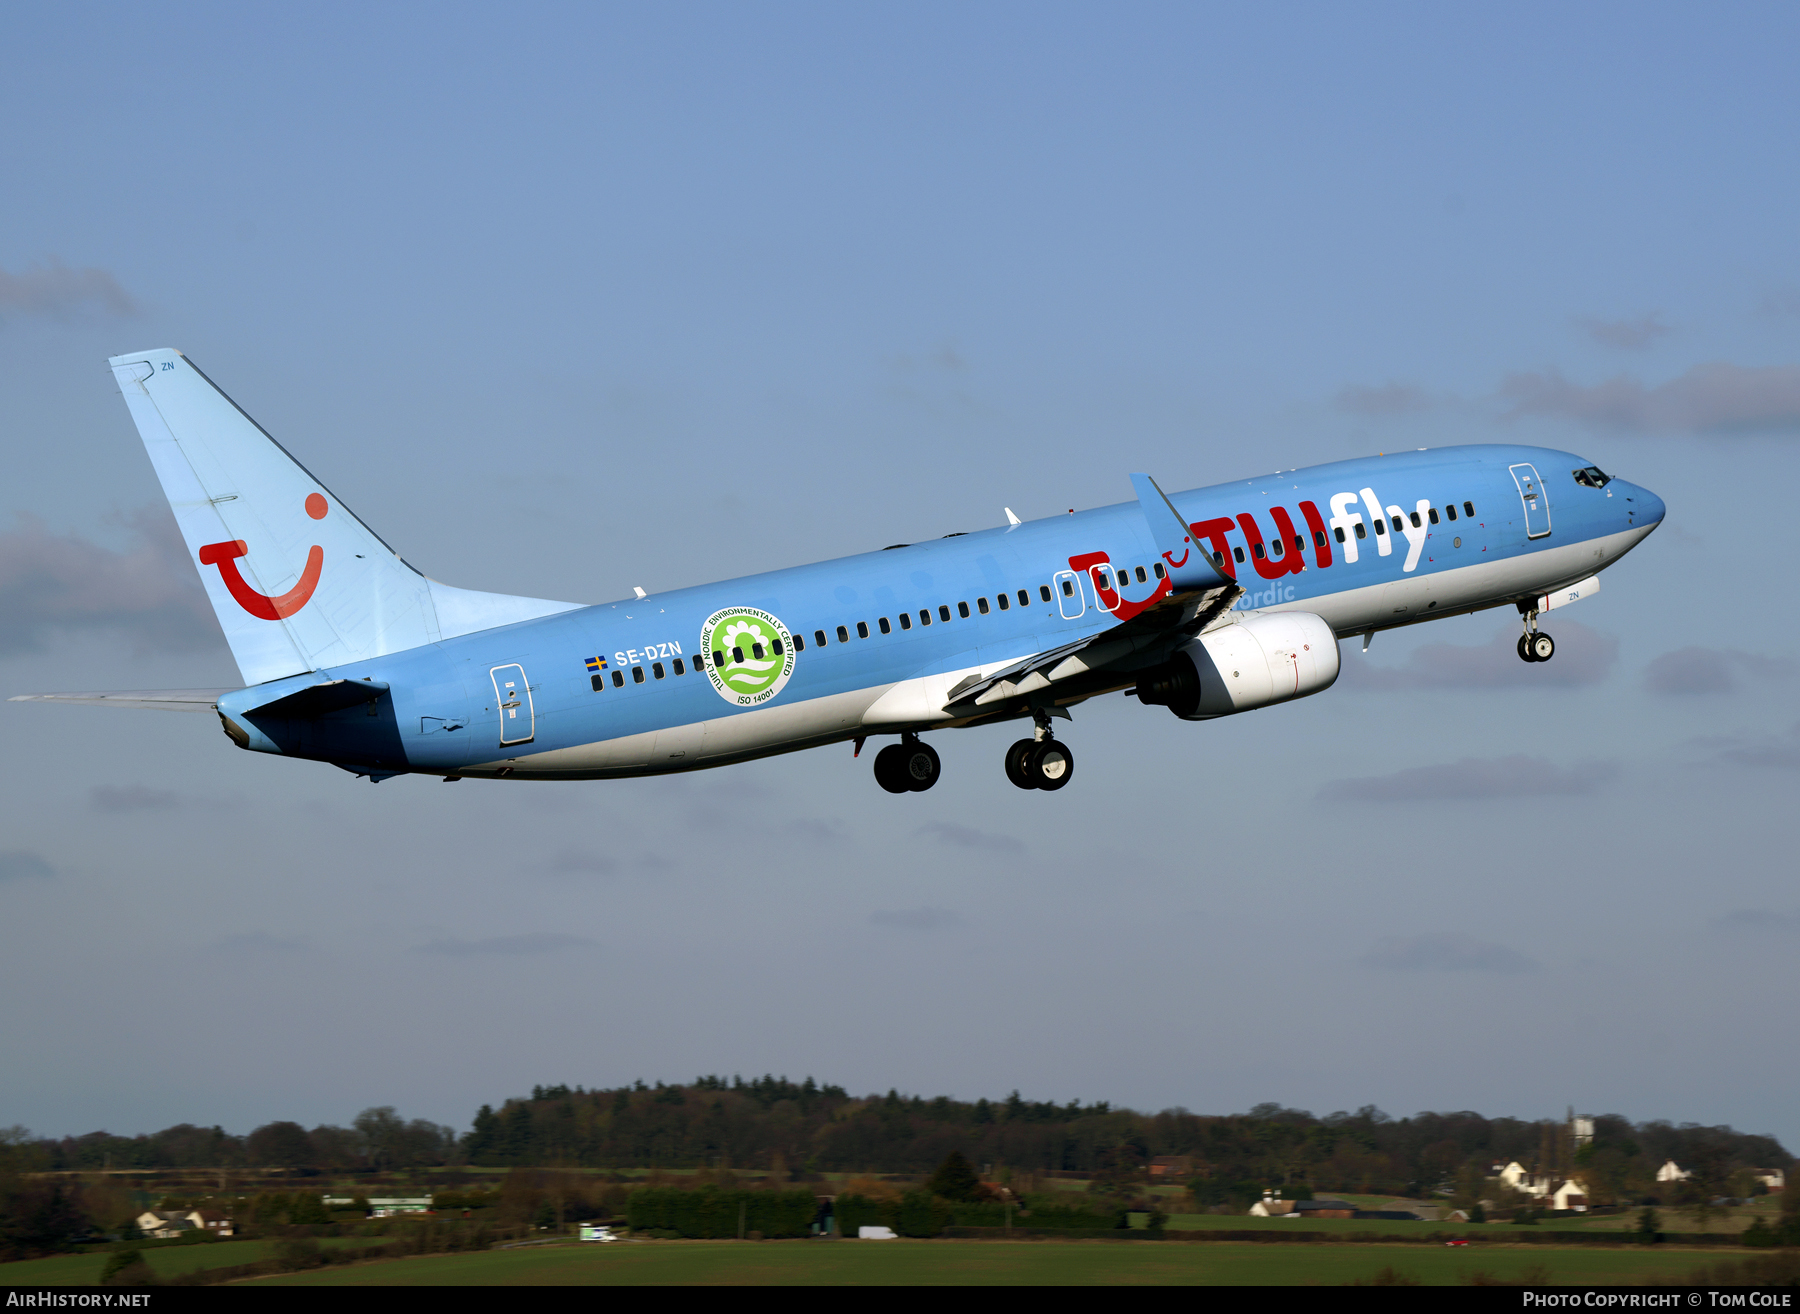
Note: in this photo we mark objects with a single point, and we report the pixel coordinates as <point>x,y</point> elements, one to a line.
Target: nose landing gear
<point>1534,644</point>
<point>1042,762</point>
<point>910,766</point>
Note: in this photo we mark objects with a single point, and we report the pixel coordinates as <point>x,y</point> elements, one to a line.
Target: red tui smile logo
<point>261,605</point>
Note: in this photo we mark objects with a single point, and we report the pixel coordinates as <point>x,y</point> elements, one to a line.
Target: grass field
<point>924,1263</point>
<point>165,1261</point>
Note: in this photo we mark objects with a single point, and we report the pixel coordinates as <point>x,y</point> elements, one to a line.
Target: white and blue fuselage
<point>878,641</point>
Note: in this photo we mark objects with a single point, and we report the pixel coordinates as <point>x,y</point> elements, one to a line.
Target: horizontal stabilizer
<point>157,700</point>
<point>319,699</point>
<point>1188,566</point>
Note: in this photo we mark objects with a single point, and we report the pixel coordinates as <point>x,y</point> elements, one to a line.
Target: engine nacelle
<point>1254,663</point>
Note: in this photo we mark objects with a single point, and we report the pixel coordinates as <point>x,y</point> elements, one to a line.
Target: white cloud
<point>1449,951</point>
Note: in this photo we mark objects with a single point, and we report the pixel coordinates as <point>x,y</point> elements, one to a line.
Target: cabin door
<point>512,696</point>
<point>1536,500</point>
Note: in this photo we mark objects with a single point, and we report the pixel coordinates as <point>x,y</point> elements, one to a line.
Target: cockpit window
<point>1593,477</point>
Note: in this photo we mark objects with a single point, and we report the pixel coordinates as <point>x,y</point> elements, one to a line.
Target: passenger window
<point>718,659</point>
<point>737,654</point>
<point>962,609</point>
<point>885,627</point>
<point>799,643</point>
<point>1024,598</point>
<point>1469,509</point>
<point>599,683</point>
<point>1337,532</point>
<point>1104,576</point>
<point>943,613</point>
<point>905,621</point>
<point>682,670</point>
<point>1238,552</point>
<point>618,679</point>
<point>1068,586</point>
<point>1398,527</point>
<point>1380,528</point>
<point>656,669</point>
<point>1415,520</point>
<point>637,674</point>
<point>843,635</point>
<point>925,615</point>
<point>1432,512</point>
<point>1142,577</point>
<point>1044,592</point>
<point>1218,559</point>
<point>862,629</point>
<point>1257,549</point>
<point>1360,531</point>
<point>1450,511</point>
<point>775,646</point>
<point>981,606</point>
<point>819,637</point>
<point>1158,569</point>
<point>1319,538</point>
<point>1003,600</point>
<point>756,651</point>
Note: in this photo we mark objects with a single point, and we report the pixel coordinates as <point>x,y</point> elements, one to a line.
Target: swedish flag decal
<point>596,663</point>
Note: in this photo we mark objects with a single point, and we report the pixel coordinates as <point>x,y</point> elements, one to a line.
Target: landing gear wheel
<point>890,769</point>
<point>1525,648</point>
<point>1051,765</point>
<point>1016,758</point>
<point>1542,647</point>
<point>921,766</point>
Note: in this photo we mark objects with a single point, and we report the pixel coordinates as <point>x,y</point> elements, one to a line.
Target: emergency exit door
<point>512,695</point>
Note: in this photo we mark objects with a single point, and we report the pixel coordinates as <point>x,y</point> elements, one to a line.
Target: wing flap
<point>1174,617</point>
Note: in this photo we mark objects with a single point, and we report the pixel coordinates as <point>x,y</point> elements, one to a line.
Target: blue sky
<point>572,299</point>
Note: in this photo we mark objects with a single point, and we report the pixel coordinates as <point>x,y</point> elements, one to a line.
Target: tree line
<point>795,1130</point>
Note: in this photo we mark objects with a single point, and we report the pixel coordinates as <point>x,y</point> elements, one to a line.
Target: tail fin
<point>298,582</point>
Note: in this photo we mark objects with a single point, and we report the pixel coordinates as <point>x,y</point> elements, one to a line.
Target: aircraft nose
<point>1648,505</point>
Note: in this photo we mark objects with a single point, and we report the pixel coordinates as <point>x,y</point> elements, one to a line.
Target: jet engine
<point>1255,662</point>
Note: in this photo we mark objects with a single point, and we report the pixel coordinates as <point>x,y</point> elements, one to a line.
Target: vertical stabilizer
<point>297,581</point>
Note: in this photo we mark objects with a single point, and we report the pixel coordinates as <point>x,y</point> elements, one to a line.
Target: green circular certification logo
<point>749,655</point>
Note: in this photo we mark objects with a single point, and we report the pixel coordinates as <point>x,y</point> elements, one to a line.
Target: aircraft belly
<point>758,733</point>
<point>1465,588</point>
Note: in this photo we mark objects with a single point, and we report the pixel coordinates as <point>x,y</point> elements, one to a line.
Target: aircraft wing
<point>161,700</point>
<point>1151,632</point>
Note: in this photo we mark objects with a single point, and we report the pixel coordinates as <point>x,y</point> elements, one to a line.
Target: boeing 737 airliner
<point>1208,602</point>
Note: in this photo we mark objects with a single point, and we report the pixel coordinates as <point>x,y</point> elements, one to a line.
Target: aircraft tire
<point>1525,649</point>
<point>923,766</point>
<point>1543,647</point>
<point>890,769</point>
<point>1016,758</point>
<point>1052,765</point>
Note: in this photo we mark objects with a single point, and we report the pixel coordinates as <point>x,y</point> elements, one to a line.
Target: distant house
<point>1325,1209</point>
<point>1270,1207</point>
<point>1570,1195</point>
<point>1775,1179</point>
<point>164,1224</point>
<point>1672,1172</point>
<point>385,1206</point>
<point>1172,1165</point>
<point>1522,1180</point>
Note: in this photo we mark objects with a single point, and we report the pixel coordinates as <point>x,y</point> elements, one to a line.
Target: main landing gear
<point>1041,762</point>
<point>910,766</point>
<point>1534,644</point>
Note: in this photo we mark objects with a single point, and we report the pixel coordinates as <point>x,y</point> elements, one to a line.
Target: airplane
<point>1209,603</point>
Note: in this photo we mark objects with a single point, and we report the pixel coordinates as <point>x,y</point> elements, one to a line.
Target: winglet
<point>1188,566</point>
